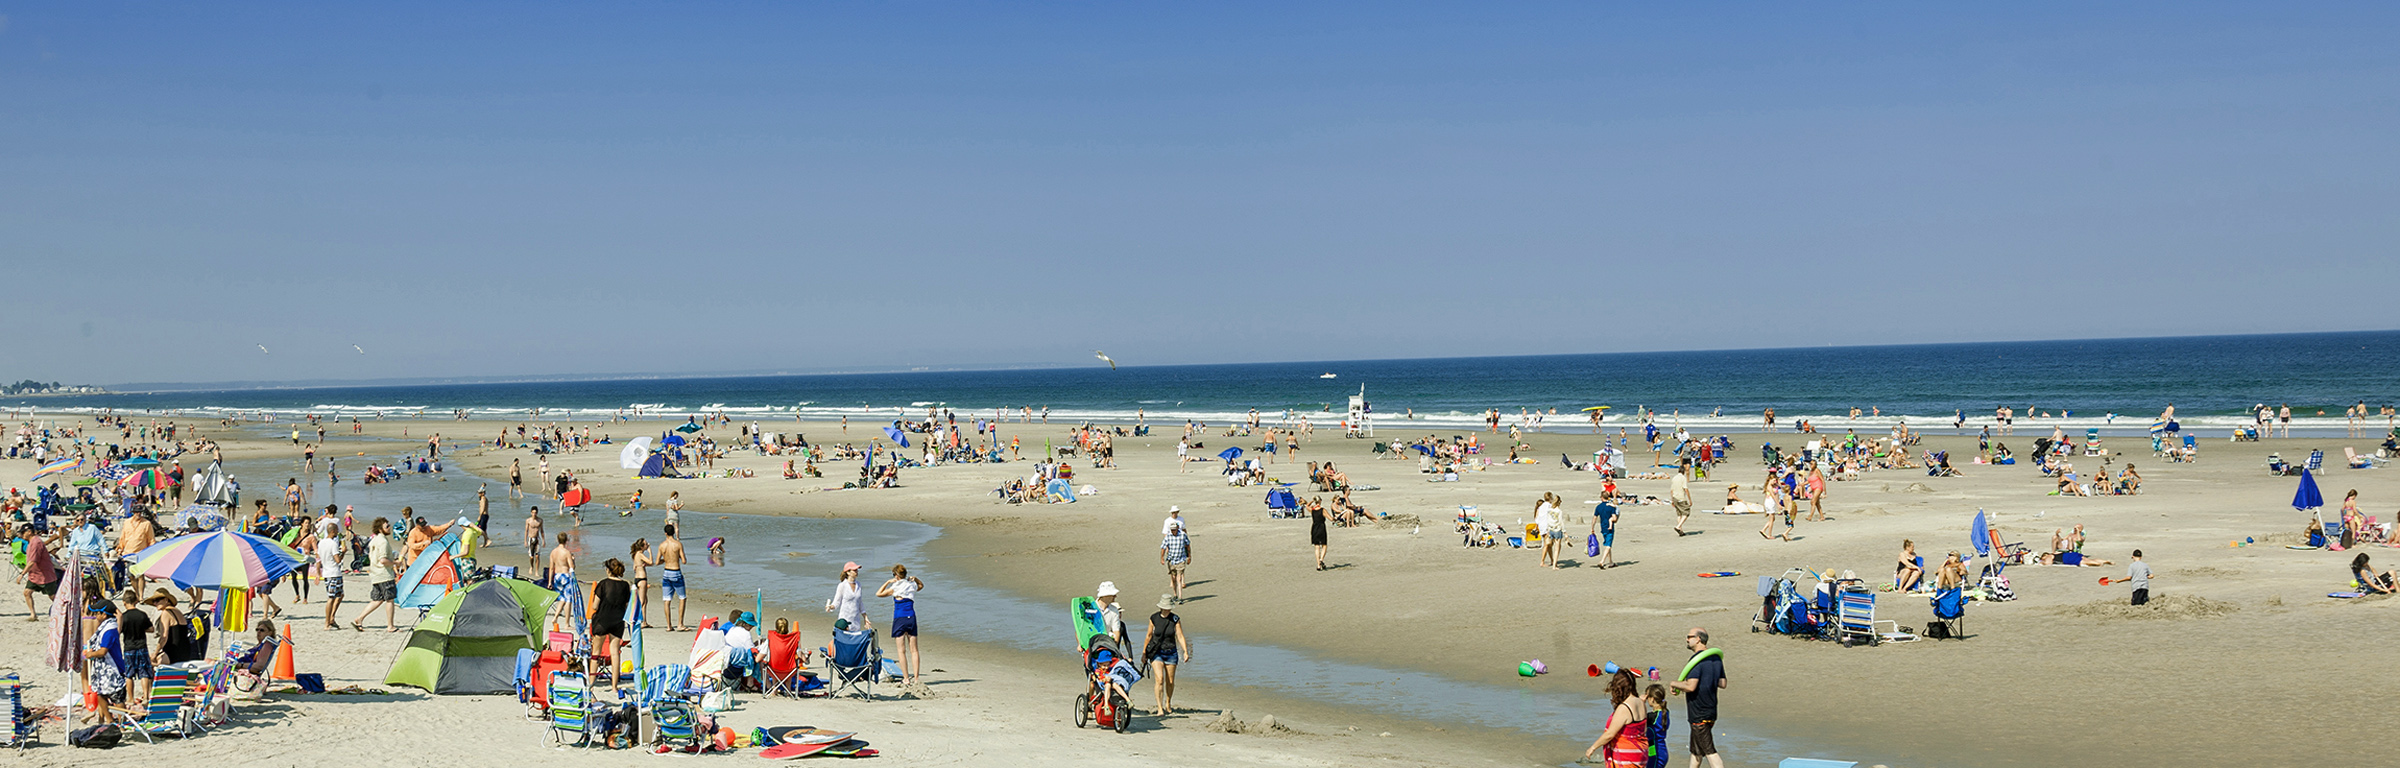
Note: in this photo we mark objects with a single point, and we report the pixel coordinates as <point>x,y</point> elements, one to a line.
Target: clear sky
<point>590,187</point>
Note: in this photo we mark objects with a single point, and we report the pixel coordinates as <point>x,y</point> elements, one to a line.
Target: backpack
<point>1937,630</point>
<point>103,736</point>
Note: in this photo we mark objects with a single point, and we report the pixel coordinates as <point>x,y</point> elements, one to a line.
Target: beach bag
<point>2000,591</point>
<point>103,736</point>
<point>1937,630</point>
<point>717,700</point>
<point>1591,545</point>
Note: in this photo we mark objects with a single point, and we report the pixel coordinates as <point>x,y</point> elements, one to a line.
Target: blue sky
<point>545,189</point>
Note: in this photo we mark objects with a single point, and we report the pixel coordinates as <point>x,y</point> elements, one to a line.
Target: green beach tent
<point>468,642</point>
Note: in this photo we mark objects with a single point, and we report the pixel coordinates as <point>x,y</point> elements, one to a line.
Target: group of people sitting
<point>2101,483</point>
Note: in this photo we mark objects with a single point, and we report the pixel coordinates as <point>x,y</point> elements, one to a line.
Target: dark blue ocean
<point>2211,380</point>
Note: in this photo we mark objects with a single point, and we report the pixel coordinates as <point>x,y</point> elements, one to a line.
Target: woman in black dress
<point>1316,530</point>
<point>609,598</point>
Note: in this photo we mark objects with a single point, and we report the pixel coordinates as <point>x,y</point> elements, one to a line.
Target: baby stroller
<point>1108,675</point>
<point>1783,609</point>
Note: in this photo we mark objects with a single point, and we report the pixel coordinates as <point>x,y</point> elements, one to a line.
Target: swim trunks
<point>670,583</point>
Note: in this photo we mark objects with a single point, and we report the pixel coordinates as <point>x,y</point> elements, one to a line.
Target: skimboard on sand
<point>1719,574</point>
<point>808,734</point>
<point>792,751</point>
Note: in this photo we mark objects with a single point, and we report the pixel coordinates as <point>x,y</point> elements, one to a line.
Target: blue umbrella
<point>138,462</point>
<point>689,426</point>
<point>1230,454</point>
<point>2307,498</point>
<point>1980,534</point>
<point>896,435</point>
<point>671,440</point>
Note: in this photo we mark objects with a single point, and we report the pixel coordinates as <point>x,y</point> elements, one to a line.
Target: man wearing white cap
<point>1176,550</point>
<point>1112,617</point>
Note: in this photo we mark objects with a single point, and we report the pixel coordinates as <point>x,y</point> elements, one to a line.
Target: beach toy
<point>1592,671</point>
<point>1539,668</point>
<point>1653,673</point>
<point>1719,574</point>
<point>1610,668</point>
<point>1525,669</point>
<point>2103,581</point>
<point>725,738</point>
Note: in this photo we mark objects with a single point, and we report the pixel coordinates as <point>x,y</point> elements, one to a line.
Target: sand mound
<point>1911,488</point>
<point>2208,571</point>
<point>1399,521</point>
<point>2168,607</point>
<point>1265,726</point>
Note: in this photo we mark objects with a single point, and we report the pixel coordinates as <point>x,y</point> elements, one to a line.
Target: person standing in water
<point>902,589</point>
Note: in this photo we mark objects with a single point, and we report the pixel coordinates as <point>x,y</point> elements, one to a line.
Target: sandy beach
<point>2065,674</point>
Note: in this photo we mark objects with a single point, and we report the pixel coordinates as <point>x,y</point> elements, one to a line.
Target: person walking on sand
<point>383,562</point>
<point>2137,573</point>
<point>332,542</point>
<point>1604,523</point>
<point>1679,493</point>
<point>516,480</point>
<point>1175,550</point>
<point>1316,532</point>
<point>1546,524</point>
<point>902,589</point>
<point>1112,616</point>
<point>671,591</point>
<point>1702,677</point>
<point>1165,648</point>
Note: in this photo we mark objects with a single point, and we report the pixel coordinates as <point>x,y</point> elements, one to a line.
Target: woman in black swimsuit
<point>609,598</point>
<point>1316,531</point>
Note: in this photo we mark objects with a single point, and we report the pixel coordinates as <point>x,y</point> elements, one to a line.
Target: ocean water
<point>2115,384</point>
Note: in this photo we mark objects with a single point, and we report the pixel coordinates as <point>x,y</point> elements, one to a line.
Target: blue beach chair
<point>854,662</point>
<point>1950,607</point>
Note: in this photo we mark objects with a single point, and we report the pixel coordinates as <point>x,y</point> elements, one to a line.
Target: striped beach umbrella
<point>148,478</point>
<point>55,467</point>
<point>216,560</point>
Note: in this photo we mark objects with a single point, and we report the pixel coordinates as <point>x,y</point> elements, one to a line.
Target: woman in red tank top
<point>1627,741</point>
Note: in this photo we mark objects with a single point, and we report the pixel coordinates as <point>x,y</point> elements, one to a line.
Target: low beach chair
<point>213,689</point>
<point>854,661</point>
<point>2316,461</point>
<point>782,672</point>
<point>2357,461</point>
<point>678,728</point>
<point>253,677</point>
<point>21,727</point>
<point>570,696</point>
<point>169,712</point>
<point>1858,623</point>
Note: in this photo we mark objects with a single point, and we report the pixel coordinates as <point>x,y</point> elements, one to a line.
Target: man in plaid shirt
<point>1176,550</point>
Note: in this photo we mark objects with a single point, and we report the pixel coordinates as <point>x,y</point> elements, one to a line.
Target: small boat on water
<point>1326,376</point>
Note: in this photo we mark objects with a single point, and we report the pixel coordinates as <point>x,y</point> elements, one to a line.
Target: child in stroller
<point>1108,676</point>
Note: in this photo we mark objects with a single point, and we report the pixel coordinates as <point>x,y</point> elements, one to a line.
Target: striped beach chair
<point>21,726</point>
<point>168,713</point>
<point>570,700</point>
<point>678,727</point>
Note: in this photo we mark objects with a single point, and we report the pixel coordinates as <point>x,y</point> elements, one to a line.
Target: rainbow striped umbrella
<point>216,560</point>
<point>148,478</point>
<point>56,467</point>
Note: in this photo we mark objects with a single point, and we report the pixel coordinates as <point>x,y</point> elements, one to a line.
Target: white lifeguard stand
<point>1360,422</point>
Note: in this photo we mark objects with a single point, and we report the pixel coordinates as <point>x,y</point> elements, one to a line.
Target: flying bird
<point>1112,362</point>
<point>262,349</point>
<point>360,350</point>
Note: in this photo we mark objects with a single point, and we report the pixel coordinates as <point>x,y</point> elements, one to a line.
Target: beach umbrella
<point>1230,454</point>
<point>896,435</point>
<point>671,440</point>
<point>1979,534</point>
<point>688,427</point>
<point>66,617</point>
<point>148,478</point>
<point>139,462</point>
<point>55,467</point>
<point>2307,498</point>
<point>216,560</point>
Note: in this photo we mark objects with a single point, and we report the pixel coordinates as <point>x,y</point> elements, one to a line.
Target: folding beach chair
<point>214,693</point>
<point>1950,608</point>
<point>570,697</point>
<point>1858,622</point>
<point>2091,442</point>
<point>21,727</point>
<point>781,672</point>
<point>678,728</point>
<point>854,662</point>
<point>2316,461</point>
<point>2357,461</point>
<point>169,712</point>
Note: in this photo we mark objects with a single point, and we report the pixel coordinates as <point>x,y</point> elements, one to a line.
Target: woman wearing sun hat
<point>1165,648</point>
<point>848,609</point>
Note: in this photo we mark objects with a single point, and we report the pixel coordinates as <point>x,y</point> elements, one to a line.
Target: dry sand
<point>2065,675</point>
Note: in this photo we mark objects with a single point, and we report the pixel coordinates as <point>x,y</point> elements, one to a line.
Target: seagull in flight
<point>262,349</point>
<point>1112,362</point>
<point>360,349</point>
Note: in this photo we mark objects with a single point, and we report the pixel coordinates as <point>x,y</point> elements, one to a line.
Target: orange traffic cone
<point>283,656</point>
